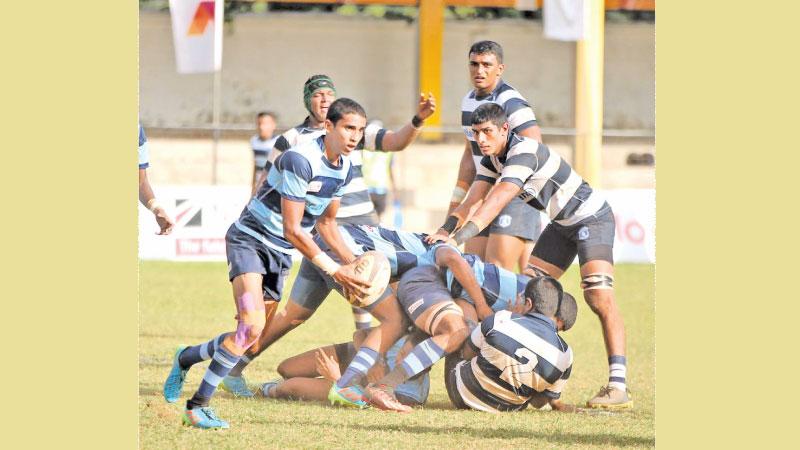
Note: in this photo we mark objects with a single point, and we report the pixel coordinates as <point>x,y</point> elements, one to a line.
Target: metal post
<point>431,32</point>
<point>215,123</point>
<point>589,94</point>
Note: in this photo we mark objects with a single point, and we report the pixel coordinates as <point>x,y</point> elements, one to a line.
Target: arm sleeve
<point>373,137</point>
<point>486,171</point>
<point>295,173</point>
<point>519,168</point>
<point>520,114</point>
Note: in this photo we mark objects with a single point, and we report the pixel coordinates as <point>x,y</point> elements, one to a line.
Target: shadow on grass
<point>555,437</point>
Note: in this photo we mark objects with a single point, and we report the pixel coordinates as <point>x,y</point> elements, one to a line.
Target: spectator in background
<point>262,142</point>
<point>378,168</point>
<point>146,196</point>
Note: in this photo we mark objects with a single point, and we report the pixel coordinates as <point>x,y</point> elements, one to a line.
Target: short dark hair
<point>489,112</point>
<point>343,106</point>
<point>545,293</point>
<point>481,47</point>
<point>568,311</point>
<point>265,114</point>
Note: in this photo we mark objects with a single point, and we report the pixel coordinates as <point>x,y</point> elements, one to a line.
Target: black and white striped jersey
<point>356,200</point>
<point>548,183</point>
<point>518,356</point>
<point>519,112</point>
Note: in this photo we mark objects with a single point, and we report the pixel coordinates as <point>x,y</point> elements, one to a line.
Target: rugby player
<point>582,224</point>
<point>405,250</point>
<point>509,239</point>
<point>300,374</point>
<point>146,196</point>
<point>356,206</point>
<point>305,183</point>
<point>517,359</point>
<point>262,143</point>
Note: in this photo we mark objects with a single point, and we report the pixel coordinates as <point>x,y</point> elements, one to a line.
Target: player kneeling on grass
<point>517,359</point>
<point>300,374</point>
<point>305,183</point>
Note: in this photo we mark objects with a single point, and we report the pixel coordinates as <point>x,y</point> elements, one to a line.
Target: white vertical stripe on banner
<point>197,34</point>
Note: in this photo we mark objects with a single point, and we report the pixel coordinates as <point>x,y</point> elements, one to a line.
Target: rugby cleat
<point>382,397</point>
<point>611,398</point>
<point>236,386</point>
<point>175,379</point>
<point>350,396</point>
<point>203,418</point>
<point>263,390</point>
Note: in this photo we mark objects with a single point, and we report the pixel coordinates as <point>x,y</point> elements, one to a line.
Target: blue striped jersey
<point>144,154</point>
<point>261,149</point>
<point>548,183</point>
<point>300,174</point>
<point>405,250</point>
<point>517,357</point>
<point>519,112</point>
<point>356,201</point>
<point>500,286</point>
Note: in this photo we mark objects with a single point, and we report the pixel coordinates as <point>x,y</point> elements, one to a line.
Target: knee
<point>283,369</point>
<point>600,301</point>
<point>456,330</point>
<point>248,329</point>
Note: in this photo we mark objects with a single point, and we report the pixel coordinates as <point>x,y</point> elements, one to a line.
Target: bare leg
<point>506,251</point>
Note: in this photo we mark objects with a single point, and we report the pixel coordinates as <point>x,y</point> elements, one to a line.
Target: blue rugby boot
<point>203,418</point>
<point>236,386</point>
<point>175,379</point>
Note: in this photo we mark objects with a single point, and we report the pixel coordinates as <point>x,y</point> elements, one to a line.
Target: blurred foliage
<point>387,12</point>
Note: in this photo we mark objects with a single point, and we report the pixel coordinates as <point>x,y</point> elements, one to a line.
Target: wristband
<point>466,232</point>
<point>416,122</point>
<point>153,204</point>
<point>450,224</point>
<point>326,263</point>
<point>458,195</point>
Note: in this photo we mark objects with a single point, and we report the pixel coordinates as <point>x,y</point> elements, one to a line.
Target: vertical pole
<point>589,94</point>
<point>215,123</point>
<point>431,26</point>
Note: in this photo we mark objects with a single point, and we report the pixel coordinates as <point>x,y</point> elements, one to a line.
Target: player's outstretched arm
<point>498,198</point>
<point>452,259</point>
<point>477,192</point>
<point>394,141</point>
<point>292,213</point>
<point>328,229</point>
<point>148,199</point>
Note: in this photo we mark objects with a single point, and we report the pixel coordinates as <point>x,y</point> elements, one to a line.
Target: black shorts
<point>247,254</point>
<point>516,219</point>
<point>421,289</point>
<point>590,239</point>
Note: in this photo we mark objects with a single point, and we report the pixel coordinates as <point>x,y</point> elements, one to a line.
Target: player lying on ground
<point>582,224</point>
<point>517,359</point>
<point>356,206</point>
<point>435,299</point>
<point>305,183</point>
<point>404,250</point>
<point>300,374</point>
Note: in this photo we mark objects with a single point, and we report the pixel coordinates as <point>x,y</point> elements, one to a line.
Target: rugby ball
<point>372,267</point>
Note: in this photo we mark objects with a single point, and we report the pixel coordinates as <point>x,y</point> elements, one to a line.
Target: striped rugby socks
<point>424,355</point>
<point>617,372</point>
<point>221,363</point>
<point>362,317</point>
<point>198,353</point>
<point>364,359</point>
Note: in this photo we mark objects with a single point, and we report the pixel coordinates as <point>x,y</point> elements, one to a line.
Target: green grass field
<point>188,303</point>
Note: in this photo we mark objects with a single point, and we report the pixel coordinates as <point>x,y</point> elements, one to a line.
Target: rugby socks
<point>362,318</point>
<point>424,355</point>
<point>221,363</point>
<point>616,372</point>
<point>364,359</point>
<point>193,355</point>
<point>244,360</point>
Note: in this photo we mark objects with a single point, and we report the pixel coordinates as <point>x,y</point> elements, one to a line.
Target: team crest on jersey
<point>504,220</point>
<point>583,233</point>
<point>314,186</point>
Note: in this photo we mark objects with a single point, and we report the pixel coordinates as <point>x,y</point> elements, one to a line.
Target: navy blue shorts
<point>423,289</point>
<point>312,286</point>
<point>247,254</point>
<point>590,239</point>
<point>516,219</point>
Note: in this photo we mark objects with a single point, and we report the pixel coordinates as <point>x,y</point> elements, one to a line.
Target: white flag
<point>197,32</point>
<point>563,19</point>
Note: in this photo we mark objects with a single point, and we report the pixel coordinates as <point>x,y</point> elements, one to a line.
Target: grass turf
<point>189,303</point>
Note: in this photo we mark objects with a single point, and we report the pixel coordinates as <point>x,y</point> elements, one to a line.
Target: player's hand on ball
<point>351,284</point>
<point>427,106</point>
